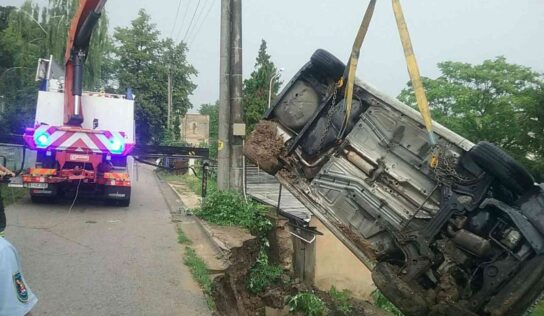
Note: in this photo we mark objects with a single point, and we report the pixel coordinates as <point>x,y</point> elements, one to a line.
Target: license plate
<point>37,185</point>
<point>80,158</point>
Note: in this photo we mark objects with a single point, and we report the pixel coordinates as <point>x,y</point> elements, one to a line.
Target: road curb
<point>181,211</point>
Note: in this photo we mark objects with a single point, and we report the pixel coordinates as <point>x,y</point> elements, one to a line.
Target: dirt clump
<point>281,244</point>
<point>229,292</point>
<point>264,146</point>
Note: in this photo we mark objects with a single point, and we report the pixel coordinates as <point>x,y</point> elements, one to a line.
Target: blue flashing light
<point>42,140</point>
<point>117,145</point>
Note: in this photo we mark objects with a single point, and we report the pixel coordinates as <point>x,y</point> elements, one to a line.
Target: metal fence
<point>266,188</point>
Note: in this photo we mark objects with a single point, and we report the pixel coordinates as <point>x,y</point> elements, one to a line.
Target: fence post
<point>304,256</point>
<point>205,168</point>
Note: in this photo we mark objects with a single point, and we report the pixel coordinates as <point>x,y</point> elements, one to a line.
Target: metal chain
<point>446,170</point>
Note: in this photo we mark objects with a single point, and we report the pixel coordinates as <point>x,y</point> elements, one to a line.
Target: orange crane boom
<point>77,47</point>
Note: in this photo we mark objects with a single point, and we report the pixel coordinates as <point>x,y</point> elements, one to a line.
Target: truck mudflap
<point>117,193</point>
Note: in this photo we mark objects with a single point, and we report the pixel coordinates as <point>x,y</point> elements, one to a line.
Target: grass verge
<point>194,182</point>
<point>12,195</point>
<point>199,271</point>
<point>182,238</point>
<point>383,303</point>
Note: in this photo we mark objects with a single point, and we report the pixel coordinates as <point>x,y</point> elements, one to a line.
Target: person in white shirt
<point>16,298</point>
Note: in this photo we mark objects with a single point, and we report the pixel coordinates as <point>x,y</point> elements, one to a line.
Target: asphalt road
<point>105,260</point>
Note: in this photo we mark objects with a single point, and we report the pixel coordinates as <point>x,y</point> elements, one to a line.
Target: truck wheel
<point>327,64</point>
<point>504,168</point>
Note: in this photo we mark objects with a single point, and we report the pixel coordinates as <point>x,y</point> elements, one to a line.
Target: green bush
<point>341,300</point>
<point>308,304</point>
<point>230,209</point>
<point>383,303</point>
<point>263,274</point>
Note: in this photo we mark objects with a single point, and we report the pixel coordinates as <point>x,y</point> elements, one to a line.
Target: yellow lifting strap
<point>413,70</point>
<point>353,61</point>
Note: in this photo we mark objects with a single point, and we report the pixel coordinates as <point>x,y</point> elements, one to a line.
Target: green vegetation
<point>182,238</point>
<point>382,302</point>
<point>199,270</point>
<point>12,195</point>
<point>229,208</point>
<point>212,110</point>
<point>341,300</point>
<point>256,88</point>
<point>495,101</point>
<point>263,274</point>
<point>193,182</point>
<point>143,63</point>
<point>539,309</point>
<point>308,304</point>
<point>31,32</point>
<point>135,57</point>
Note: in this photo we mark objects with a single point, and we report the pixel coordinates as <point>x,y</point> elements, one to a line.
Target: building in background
<point>195,129</point>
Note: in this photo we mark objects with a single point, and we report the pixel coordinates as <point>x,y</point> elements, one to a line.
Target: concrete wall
<point>336,265</point>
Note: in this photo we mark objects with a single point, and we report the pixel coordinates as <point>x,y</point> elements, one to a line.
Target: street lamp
<point>274,77</point>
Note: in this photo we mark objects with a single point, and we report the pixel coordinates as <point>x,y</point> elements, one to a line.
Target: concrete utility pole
<point>238,129</point>
<point>223,153</point>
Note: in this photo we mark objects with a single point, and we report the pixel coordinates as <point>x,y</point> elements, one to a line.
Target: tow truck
<point>83,140</point>
<point>446,226</point>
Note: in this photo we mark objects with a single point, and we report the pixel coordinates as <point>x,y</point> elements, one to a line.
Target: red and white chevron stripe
<point>77,139</point>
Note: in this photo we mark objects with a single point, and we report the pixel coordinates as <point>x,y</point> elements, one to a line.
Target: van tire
<point>502,166</point>
<point>327,64</point>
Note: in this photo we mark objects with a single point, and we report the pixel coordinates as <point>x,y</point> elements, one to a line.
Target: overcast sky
<point>459,30</point>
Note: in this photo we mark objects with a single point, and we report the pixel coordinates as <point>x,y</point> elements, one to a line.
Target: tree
<point>21,44</point>
<point>143,63</point>
<point>494,101</point>
<point>212,110</point>
<point>27,34</point>
<point>56,20</point>
<point>256,88</point>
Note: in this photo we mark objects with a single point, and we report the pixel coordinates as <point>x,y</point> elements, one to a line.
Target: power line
<point>199,27</point>
<point>198,16</point>
<point>176,19</point>
<point>186,10</point>
<point>192,19</point>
